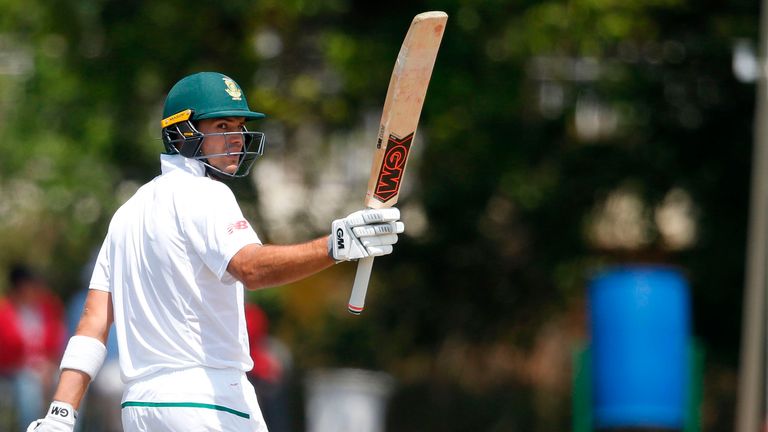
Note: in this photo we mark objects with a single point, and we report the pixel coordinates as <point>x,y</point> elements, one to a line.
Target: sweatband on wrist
<point>84,354</point>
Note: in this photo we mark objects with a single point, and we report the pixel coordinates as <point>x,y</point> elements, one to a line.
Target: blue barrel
<point>640,329</point>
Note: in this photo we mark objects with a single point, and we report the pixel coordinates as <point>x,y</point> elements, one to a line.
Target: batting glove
<point>364,233</point>
<point>60,418</point>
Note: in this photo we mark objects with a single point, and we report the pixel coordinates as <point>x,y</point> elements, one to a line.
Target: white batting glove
<point>60,418</point>
<point>364,233</point>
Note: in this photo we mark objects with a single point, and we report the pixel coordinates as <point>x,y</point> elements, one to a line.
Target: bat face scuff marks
<point>392,167</point>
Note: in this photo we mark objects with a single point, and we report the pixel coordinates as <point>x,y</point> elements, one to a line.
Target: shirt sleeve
<point>100,278</point>
<point>217,229</point>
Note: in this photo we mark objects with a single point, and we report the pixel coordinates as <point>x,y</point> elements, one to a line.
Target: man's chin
<point>229,169</point>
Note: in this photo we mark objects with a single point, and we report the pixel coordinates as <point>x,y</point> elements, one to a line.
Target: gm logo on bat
<point>392,167</point>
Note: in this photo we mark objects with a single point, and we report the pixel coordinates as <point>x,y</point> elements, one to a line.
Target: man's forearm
<point>72,386</point>
<point>270,265</point>
<point>85,351</point>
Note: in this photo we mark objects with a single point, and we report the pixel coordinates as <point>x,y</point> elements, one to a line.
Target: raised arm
<point>361,234</point>
<point>264,266</point>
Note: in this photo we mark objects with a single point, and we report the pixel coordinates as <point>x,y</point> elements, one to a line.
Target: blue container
<point>640,327</point>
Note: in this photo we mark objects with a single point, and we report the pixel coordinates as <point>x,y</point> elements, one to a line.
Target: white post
<point>750,412</point>
<point>347,400</point>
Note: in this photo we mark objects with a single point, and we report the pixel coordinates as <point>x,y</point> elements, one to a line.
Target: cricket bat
<point>399,118</point>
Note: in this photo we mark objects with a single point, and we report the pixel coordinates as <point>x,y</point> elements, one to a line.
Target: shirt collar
<point>175,162</point>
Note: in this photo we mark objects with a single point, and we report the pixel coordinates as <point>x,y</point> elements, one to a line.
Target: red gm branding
<point>392,167</point>
<point>241,224</point>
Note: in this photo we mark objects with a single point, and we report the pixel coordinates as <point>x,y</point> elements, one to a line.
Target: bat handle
<point>360,287</point>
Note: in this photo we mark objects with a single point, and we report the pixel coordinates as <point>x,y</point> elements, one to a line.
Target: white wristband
<point>84,354</point>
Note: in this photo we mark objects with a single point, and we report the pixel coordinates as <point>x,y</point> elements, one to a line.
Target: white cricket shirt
<point>164,260</point>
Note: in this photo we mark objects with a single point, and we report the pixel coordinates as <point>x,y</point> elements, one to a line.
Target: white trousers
<point>192,400</point>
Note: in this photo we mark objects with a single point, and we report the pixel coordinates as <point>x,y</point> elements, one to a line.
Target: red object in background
<point>15,352</point>
<point>265,366</point>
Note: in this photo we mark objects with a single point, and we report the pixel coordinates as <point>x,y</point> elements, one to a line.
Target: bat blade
<point>399,119</point>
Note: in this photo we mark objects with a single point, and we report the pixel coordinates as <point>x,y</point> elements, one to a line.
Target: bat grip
<point>360,287</point>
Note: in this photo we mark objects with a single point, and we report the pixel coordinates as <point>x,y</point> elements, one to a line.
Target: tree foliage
<point>538,114</point>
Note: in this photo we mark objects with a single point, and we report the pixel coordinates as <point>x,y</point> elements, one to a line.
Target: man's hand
<point>60,418</point>
<point>365,233</point>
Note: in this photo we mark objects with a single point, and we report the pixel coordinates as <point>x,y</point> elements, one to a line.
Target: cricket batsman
<point>172,270</point>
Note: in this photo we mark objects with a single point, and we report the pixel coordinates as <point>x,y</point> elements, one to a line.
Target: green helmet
<point>207,95</point>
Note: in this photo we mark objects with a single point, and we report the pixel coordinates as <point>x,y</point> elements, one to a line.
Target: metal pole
<point>750,412</point>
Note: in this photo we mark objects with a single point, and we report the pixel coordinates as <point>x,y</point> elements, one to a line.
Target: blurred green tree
<point>558,137</point>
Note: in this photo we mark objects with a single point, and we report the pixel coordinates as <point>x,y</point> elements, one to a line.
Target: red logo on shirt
<point>241,224</point>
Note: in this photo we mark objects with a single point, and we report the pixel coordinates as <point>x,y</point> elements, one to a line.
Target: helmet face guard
<point>184,139</point>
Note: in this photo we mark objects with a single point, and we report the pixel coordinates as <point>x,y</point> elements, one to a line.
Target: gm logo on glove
<point>339,238</point>
<point>59,411</point>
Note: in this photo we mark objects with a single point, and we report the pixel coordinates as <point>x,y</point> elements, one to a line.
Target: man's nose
<point>235,140</point>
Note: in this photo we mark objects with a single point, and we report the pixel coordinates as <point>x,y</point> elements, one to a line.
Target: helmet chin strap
<point>215,173</point>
